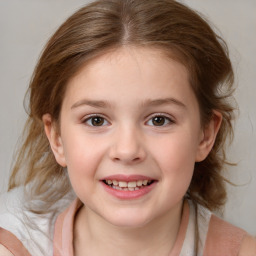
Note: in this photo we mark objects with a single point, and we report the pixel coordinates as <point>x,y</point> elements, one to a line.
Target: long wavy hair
<point>168,25</point>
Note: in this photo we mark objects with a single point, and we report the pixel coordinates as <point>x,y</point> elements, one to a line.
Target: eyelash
<point>161,115</point>
<point>90,118</point>
<point>166,118</point>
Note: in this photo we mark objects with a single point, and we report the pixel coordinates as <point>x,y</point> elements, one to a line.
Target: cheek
<point>82,164</point>
<point>83,156</point>
<point>176,158</point>
<point>179,149</point>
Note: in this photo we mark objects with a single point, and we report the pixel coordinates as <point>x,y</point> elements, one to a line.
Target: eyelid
<point>161,114</point>
<point>88,117</point>
<point>148,118</point>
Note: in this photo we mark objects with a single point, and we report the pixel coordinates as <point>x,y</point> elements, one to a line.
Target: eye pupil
<point>158,120</point>
<point>97,121</point>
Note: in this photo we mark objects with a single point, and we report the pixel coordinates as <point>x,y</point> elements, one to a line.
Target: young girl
<point>124,144</point>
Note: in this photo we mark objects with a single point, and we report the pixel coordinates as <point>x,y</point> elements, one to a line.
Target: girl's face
<point>130,136</point>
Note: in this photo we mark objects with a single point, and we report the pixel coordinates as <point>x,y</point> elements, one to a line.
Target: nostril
<point>127,153</point>
<point>136,159</point>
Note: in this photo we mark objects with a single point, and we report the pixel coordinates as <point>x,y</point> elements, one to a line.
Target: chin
<point>129,221</point>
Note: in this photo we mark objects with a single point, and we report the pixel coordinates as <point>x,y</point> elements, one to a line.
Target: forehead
<point>130,72</point>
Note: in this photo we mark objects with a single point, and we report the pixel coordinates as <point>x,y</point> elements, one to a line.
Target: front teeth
<point>122,184</point>
<point>131,185</point>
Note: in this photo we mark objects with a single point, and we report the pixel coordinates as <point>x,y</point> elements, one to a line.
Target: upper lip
<point>127,178</point>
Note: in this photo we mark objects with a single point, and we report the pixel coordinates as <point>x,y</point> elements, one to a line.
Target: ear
<point>208,136</point>
<point>54,139</point>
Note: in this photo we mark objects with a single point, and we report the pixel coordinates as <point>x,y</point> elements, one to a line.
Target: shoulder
<point>223,238</point>
<point>11,245</point>
<point>34,231</point>
<point>248,246</point>
<point>4,251</point>
<point>221,228</point>
<point>10,207</point>
<point>22,225</point>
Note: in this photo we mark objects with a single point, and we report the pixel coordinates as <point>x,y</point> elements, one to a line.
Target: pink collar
<point>63,233</point>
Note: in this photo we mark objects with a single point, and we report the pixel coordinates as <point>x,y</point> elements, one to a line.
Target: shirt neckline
<point>64,225</point>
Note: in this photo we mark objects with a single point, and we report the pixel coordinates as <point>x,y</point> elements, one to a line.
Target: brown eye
<point>96,121</point>
<point>158,120</point>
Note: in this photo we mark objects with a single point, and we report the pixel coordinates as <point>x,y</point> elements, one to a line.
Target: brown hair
<point>108,24</point>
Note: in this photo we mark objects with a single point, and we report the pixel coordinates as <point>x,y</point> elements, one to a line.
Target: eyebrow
<point>92,103</point>
<point>159,102</point>
<point>146,103</point>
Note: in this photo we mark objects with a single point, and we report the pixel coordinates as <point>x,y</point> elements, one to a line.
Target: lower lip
<point>129,195</point>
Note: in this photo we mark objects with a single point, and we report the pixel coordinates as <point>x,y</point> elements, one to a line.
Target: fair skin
<point>4,251</point>
<point>130,113</point>
<point>129,142</point>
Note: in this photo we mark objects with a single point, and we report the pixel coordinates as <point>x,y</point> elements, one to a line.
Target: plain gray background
<point>25,26</point>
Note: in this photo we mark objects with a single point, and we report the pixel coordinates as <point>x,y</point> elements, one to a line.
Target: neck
<point>95,236</point>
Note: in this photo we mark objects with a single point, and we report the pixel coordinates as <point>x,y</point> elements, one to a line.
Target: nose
<point>128,147</point>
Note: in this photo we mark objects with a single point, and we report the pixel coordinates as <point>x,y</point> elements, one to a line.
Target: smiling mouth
<point>128,186</point>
